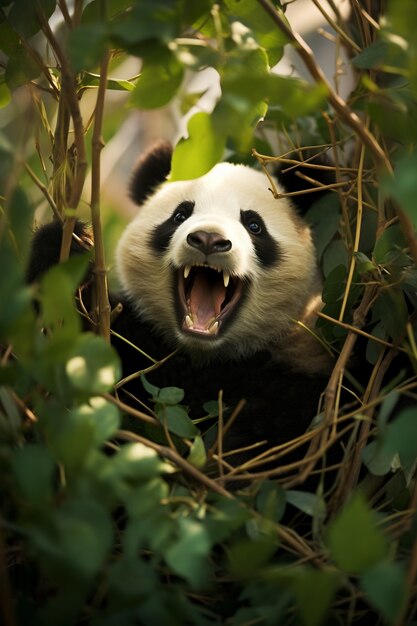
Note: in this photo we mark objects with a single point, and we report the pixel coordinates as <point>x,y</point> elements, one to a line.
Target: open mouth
<point>207,297</point>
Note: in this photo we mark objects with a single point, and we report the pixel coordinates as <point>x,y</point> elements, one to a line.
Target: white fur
<point>278,295</point>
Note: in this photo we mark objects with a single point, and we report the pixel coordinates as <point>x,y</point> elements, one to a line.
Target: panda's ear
<point>294,178</point>
<point>152,169</point>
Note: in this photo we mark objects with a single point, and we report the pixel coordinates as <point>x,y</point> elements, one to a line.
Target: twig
<point>100,271</point>
<point>126,408</point>
<point>177,460</point>
<point>346,39</point>
<point>360,332</point>
<point>357,235</point>
<point>45,192</point>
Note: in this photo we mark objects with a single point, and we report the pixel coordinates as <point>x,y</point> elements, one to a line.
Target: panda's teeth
<point>214,328</point>
<point>189,321</point>
<point>187,270</point>
<point>226,278</point>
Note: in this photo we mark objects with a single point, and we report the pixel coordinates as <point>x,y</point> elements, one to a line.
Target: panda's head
<point>215,263</point>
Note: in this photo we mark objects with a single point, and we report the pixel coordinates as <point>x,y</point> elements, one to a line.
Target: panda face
<point>217,263</point>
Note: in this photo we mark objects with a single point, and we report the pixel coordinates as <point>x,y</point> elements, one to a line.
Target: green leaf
<point>188,556</point>
<point>247,557</point>
<point>103,417</point>
<point>86,46</point>
<point>271,501</point>
<point>152,21</point>
<point>388,244</point>
<point>391,309</point>
<point>136,461</point>
<point>69,434</point>
<point>21,68</point>
<point>177,421</point>
<point>93,365</point>
<point>9,39</point>
<point>378,458</point>
<point>34,470</point>
<point>4,92</point>
<point>364,263</point>
<point>314,591</point>
<point>145,500</point>
<point>334,255</point>
<point>159,81</point>
<point>396,438</point>
<point>290,98</point>
<point>79,540</point>
<point>197,455</point>
<point>324,217</point>
<point>403,185</point>
<point>309,503</point>
<point>197,154</point>
<point>386,587</point>
<point>170,395</point>
<point>93,12</point>
<point>131,576</point>
<point>354,539</point>
<point>372,56</point>
<point>261,25</point>
<point>24,16</point>
<point>401,437</point>
<point>58,306</point>
<point>151,389</point>
<point>117,84</point>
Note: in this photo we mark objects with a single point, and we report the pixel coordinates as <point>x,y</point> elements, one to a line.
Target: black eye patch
<point>162,234</point>
<point>266,248</point>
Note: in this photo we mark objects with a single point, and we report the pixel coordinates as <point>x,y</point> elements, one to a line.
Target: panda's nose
<point>208,243</point>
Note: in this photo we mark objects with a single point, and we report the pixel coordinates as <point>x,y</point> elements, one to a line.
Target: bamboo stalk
<point>103,304</point>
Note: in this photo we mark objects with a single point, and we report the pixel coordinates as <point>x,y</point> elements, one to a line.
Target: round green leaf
<point>102,415</point>
<point>177,420</point>
<point>21,68</point>
<point>197,154</point>
<point>34,468</point>
<point>159,81</point>
<point>93,367</point>
<point>354,539</point>
<point>86,46</point>
<point>386,586</point>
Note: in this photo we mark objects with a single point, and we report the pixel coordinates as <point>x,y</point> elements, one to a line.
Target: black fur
<point>151,170</point>
<point>46,246</point>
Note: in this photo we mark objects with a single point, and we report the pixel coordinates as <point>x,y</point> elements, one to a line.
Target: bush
<point>103,526</point>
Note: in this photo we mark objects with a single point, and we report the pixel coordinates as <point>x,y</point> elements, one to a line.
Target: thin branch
<point>357,235</point>
<point>360,332</point>
<point>45,192</point>
<point>177,460</point>
<point>100,270</point>
<point>344,36</point>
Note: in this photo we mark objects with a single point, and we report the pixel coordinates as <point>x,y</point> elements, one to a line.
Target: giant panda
<point>219,272</point>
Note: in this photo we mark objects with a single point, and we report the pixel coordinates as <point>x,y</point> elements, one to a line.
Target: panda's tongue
<point>205,301</point>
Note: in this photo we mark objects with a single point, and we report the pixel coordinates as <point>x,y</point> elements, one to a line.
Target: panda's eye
<point>182,212</point>
<point>254,227</point>
<point>180,217</point>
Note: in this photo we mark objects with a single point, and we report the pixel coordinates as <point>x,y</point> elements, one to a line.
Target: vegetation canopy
<point>106,523</point>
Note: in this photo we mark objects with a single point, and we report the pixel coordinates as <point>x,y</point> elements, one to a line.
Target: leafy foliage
<point>104,525</point>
